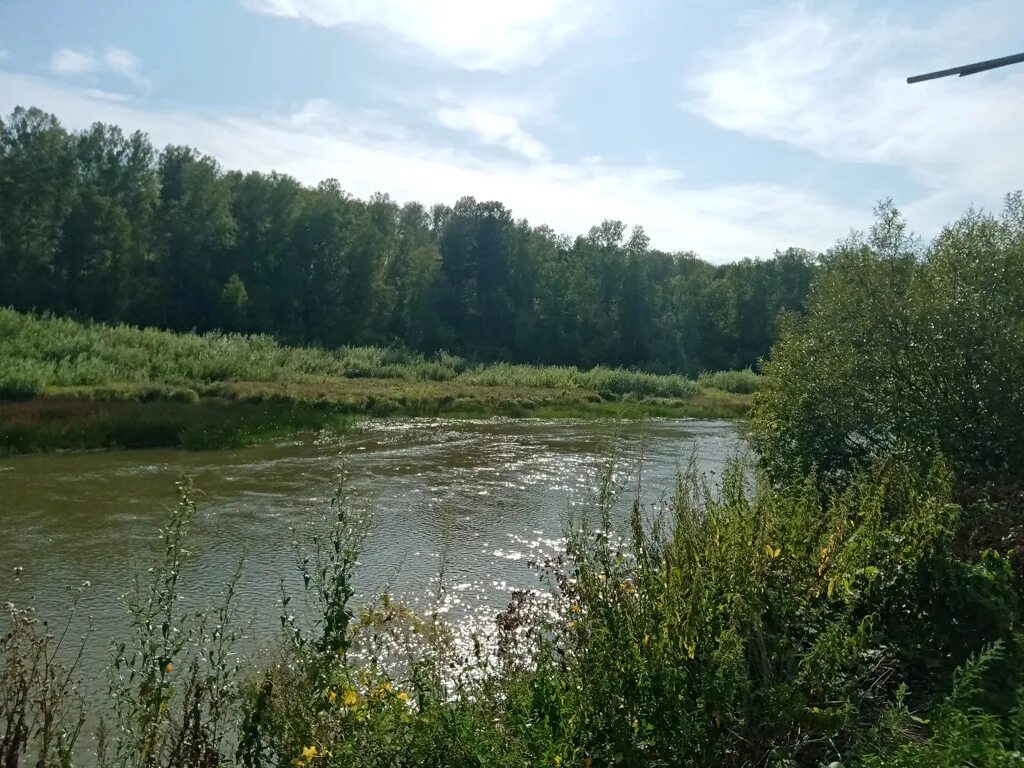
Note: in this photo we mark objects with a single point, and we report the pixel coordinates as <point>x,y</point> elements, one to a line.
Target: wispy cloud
<point>126,64</point>
<point>492,123</point>
<point>832,81</point>
<point>69,62</point>
<point>721,222</point>
<point>496,34</point>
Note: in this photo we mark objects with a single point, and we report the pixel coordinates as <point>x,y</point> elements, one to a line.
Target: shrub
<point>904,349</point>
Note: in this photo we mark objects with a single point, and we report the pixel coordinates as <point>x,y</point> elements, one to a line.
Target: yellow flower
<point>308,755</point>
<point>350,698</point>
<point>332,696</point>
<point>169,668</point>
<point>403,696</point>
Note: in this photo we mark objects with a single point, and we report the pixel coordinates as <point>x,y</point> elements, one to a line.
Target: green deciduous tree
<point>906,348</point>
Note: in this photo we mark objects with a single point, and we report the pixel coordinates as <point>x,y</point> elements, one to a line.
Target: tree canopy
<point>99,225</point>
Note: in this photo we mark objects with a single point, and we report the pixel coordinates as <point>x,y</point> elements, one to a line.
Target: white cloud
<point>833,82</point>
<point>124,63</point>
<point>98,93</point>
<point>68,62</point>
<point>494,124</point>
<point>320,140</point>
<point>474,34</point>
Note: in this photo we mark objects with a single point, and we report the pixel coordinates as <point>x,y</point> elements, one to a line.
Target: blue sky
<point>730,128</point>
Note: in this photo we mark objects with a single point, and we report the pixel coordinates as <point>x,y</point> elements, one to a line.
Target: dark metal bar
<point>969,69</point>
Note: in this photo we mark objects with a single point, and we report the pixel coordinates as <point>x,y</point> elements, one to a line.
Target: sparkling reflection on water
<point>479,499</point>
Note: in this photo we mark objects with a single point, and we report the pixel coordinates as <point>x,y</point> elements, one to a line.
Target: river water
<point>485,497</point>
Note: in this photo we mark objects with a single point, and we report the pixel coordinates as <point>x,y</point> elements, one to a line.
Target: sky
<point>731,128</point>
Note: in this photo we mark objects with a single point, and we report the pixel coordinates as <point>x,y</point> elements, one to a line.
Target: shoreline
<point>239,414</point>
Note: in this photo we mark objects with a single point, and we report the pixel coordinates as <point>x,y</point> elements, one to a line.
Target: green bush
<point>905,349</point>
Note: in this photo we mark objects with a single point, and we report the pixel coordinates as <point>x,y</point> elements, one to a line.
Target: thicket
<point>99,225</point>
<point>906,347</point>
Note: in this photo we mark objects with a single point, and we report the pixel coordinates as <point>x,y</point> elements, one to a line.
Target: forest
<point>100,225</point>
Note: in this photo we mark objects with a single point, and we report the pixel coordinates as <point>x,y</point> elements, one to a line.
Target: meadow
<point>65,384</point>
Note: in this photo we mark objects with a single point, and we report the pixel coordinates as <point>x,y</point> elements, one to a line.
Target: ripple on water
<point>474,500</point>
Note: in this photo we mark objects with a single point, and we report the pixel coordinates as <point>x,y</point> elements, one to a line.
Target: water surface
<point>485,496</point>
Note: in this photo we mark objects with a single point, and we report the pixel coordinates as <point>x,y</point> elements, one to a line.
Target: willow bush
<point>909,348</point>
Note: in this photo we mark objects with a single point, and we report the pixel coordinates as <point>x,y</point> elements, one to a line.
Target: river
<point>485,496</point>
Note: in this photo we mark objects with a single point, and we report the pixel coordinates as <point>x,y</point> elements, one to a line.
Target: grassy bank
<point>66,385</point>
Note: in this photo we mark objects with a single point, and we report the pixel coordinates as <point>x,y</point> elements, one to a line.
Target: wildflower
<point>169,668</point>
<point>309,754</point>
<point>403,696</point>
<point>332,696</point>
<point>350,698</point>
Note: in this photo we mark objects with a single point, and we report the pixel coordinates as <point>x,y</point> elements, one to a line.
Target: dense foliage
<point>908,348</point>
<point>99,225</point>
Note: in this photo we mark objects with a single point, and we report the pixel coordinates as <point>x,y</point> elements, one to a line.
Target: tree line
<point>99,225</point>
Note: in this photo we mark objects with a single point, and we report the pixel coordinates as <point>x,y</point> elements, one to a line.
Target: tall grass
<point>744,382</point>
<point>40,354</point>
<point>732,628</point>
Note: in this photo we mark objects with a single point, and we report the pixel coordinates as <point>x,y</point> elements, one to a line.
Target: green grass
<point>70,424</point>
<point>68,385</point>
<point>744,382</point>
<point>38,354</point>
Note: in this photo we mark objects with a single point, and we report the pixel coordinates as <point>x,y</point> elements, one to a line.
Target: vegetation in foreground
<point>738,628</point>
<point>67,385</point>
<point>907,348</point>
